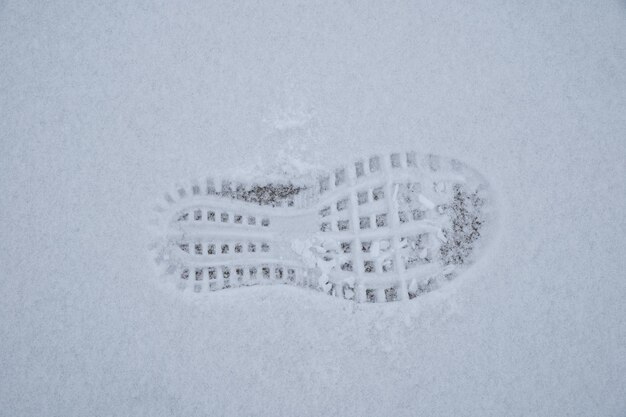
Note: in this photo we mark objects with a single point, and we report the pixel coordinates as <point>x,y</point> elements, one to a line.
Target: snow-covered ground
<point>102,107</point>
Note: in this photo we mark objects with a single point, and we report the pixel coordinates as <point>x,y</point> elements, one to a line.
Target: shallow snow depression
<point>384,228</point>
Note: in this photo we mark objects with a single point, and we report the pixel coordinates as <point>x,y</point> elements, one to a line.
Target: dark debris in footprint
<point>269,194</point>
<point>465,212</point>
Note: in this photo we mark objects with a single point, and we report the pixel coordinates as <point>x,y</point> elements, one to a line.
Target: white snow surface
<point>104,106</point>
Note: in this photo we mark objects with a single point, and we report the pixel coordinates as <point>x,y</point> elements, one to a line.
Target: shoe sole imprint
<point>380,229</point>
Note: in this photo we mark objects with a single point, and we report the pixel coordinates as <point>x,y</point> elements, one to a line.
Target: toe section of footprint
<point>379,229</point>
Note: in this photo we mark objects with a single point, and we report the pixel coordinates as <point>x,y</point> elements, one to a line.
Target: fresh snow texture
<point>105,106</point>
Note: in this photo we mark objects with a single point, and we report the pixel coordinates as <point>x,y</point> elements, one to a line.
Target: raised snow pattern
<point>384,228</point>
